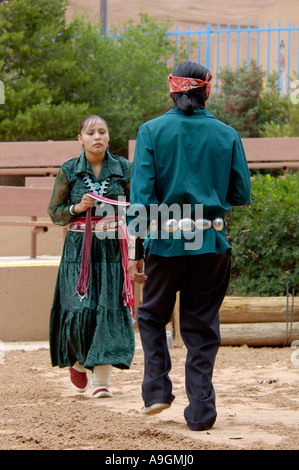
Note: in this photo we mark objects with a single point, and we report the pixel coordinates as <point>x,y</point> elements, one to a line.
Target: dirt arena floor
<point>257,392</point>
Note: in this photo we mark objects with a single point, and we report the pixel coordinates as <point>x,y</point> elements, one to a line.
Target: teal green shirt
<point>187,160</point>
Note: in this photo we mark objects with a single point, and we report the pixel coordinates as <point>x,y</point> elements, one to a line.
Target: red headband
<point>181,84</point>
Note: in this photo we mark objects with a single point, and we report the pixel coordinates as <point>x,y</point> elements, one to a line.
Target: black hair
<point>188,101</point>
<point>92,117</point>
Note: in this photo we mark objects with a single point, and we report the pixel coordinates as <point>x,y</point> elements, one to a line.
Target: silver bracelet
<point>71,209</point>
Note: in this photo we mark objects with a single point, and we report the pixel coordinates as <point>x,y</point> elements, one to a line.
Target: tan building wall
<point>285,12</point>
<point>15,241</point>
<point>281,10</point>
<point>215,12</point>
<point>26,297</point>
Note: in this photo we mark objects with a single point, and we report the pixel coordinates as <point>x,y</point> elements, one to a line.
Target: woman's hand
<point>86,203</point>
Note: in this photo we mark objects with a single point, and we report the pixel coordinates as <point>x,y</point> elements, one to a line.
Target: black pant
<point>202,281</point>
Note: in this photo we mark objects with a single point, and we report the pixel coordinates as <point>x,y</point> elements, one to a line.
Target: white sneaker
<point>100,381</point>
<point>102,393</point>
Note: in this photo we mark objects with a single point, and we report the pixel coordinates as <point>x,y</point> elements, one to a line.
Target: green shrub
<point>288,128</point>
<point>274,107</point>
<point>254,110</point>
<point>264,238</point>
<point>237,103</point>
<point>280,117</point>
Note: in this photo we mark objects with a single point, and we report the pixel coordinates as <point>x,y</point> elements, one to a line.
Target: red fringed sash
<point>84,276</point>
<point>128,288</point>
<point>83,281</point>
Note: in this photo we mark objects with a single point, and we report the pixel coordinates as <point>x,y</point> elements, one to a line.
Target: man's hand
<point>135,268</point>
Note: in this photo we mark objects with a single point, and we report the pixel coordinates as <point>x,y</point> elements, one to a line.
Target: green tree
<point>39,71</point>
<point>56,73</point>
<point>244,103</point>
<point>237,103</point>
<point>127,75</point>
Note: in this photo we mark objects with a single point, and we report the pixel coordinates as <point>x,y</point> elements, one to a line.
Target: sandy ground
<point>257,393</point>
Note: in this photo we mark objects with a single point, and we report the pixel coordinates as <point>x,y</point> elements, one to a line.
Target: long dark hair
<point>188,101</point>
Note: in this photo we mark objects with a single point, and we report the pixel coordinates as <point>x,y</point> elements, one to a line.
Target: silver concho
<point>218,224</point>
<point>202,224</point>
<point>186,225</point>
<point>170,225</point>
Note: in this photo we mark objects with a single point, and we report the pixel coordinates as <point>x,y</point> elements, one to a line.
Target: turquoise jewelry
<point>98,188</point>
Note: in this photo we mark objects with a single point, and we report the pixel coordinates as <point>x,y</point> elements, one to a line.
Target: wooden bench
<point>263,153</point>
<point>36,158</point>
<point>39,182</point>
<point>271,153</point>
<point>37,163</point>
<point>22,202</point>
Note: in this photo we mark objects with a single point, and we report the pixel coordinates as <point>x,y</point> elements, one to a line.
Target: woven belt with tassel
<point>101,224</point>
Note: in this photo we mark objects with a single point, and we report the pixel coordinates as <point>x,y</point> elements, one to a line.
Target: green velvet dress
<point>97,330</point>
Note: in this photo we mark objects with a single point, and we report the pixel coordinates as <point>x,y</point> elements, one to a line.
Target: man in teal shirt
<point>189,169</point>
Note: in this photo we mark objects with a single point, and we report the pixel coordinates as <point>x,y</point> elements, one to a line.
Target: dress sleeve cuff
<point>135,248</point>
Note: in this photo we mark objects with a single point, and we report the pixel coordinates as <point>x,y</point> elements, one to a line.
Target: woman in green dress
<point>91,323</point>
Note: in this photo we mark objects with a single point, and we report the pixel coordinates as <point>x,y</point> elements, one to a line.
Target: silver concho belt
<point>187,225</point>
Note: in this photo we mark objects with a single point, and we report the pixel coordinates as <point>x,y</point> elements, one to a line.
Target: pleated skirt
<point>97,330</point>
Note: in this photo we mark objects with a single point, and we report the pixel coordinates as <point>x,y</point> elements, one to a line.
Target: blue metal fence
<point>273,48</point>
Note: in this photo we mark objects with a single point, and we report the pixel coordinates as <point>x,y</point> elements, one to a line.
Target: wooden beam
<point>256,321</point>
<point>258,334</point>
<point>258,309</point>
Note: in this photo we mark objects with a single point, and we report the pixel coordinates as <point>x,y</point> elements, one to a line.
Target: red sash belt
<point>89,224</point>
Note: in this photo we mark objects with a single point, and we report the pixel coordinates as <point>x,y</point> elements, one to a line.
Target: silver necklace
<point>98,188</point>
